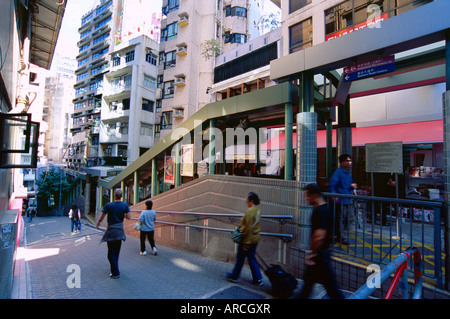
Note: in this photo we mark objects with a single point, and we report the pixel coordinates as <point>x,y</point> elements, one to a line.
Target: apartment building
<point>108,24</point>
<point>185,72</point>
<point>128,110</point>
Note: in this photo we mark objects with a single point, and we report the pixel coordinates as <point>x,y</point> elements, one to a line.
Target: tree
<point>51,184</point>
<point>211,49</point>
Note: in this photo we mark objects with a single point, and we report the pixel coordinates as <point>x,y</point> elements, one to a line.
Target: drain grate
<point>236,292</point>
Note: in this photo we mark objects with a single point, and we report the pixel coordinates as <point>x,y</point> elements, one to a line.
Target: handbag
<point>236,236</point>
<point>137,226</point>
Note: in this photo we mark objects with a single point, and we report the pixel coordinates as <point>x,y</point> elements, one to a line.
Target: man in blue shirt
<point>341,182</point>
<point>115,212</point>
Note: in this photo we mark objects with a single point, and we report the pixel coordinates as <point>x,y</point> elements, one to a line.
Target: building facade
<point>110,23</point>
<point>192,35</point>
<point>128,106</point>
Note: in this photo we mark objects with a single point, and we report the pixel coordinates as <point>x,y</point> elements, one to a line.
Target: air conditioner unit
<point>182,50</point>
<point>180,82</point>
<point>158,93</point>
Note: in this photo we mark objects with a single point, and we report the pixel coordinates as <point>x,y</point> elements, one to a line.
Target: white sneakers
<point>155,252</point>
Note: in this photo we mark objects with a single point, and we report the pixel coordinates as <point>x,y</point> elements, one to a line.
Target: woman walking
<point>147,220</point>
<point>250,228</point>
<point>75,216</point>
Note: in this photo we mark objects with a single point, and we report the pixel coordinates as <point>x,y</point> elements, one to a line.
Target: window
<point>170,32</point>
<point>158,106</point>
<point>146,129</point>
<point>159,81</point>
<point>122,149</point>
<point>99,53</point>
<point>123,128</point>
<point>166,120</point>
<point>147,105</point>
<point>168,89</point>
<point>149,82</point>
<point>170,59</point>
<point>129,56</point>
<point>127,81</point>
<point>300,36</point>
<point>126,104</point>
<point>235,38</point>
<point>84,61</point>
<point>151,58</point>
<point>294,5</point>
<point>235,11</point>
<point>82,76</point>
<point>157,130</point>
<point>116,61</point>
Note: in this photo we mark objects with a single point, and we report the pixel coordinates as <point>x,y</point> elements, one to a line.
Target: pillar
<point>212,148</point>
<point>344,130</point>
<point>446,117</point>
<point>329,150</point>
<point>288,149</point>
<point>99,202</point>
<point>177,164</point>
<point>306,170</point>
<point>87,195</point>
<point>124,195</point>
<point>136,188</point>
<point>154,178</point>
<point>111,195</point>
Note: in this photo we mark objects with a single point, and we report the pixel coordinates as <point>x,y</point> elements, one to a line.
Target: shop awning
<point>408,133</point>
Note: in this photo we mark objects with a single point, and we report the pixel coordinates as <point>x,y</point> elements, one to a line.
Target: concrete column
<point>212,148</point>
<point>177,165</point>
<point>99,202</point>
<point>344,131</point>
<point>124,195</point>
<point>306,170</point>
<point>136,188</point>
<point>154,178</point>
<point>111,195</point>
<point>87,195</point>
<point>446,117</point>
<point>288,149</point>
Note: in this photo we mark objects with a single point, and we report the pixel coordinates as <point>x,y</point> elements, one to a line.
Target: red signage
<point>359,26</point>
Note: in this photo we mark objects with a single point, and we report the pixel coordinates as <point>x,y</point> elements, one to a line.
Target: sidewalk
<point>51,260</point>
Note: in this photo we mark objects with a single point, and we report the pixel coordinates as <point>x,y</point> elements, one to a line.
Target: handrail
<point>284,237</point>
<point>281,217</point>
<point>398,265</point>
<point>386,199</point>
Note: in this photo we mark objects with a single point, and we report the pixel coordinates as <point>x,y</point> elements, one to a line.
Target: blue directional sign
<point>369,69</point>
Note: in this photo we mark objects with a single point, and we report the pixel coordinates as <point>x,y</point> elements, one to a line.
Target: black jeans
<point>113,256</point>
<point>151,240</point>
<point>322,273</point>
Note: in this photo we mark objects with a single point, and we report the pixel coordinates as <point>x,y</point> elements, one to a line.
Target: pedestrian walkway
<point>52,263</point>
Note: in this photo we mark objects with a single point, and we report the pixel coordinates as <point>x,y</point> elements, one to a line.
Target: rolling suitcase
<point>283,283</point>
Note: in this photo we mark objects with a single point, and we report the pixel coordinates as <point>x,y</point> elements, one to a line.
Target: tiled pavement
<point>51,260</point>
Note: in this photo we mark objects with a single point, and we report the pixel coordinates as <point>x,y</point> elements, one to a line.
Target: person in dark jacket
<point>115,212</point>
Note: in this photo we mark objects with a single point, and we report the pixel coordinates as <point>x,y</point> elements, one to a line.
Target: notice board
<point>384,157</point>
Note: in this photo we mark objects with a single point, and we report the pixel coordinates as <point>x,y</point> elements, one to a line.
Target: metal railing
<point>399,265</point>
<point>378,229</point>
<point>281,218</point>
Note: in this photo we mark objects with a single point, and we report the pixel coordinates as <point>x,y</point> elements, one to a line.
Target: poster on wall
<point>384,157</point>
<point>169,169</point>
<point>187,160</point>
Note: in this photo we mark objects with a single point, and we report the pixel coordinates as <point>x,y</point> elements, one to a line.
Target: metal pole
<point>288,149</point>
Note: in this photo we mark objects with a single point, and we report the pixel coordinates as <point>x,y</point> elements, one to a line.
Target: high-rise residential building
<point>193,33</point>
<point>108,24</point>
<point>128,108</point>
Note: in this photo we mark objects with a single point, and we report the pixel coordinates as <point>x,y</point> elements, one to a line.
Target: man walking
<point>318,259</point>
<point>341,182</point>
<point>116,212</point>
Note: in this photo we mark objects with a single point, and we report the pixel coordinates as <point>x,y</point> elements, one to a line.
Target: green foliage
<point>211,49</point>
<point>50,184</point>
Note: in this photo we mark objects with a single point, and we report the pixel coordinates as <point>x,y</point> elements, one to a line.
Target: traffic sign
<point>369,68</point>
